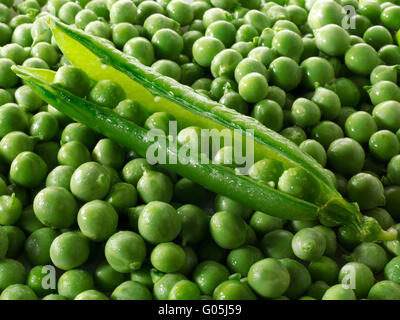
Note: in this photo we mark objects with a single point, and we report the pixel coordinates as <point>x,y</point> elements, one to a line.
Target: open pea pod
<point>158,93</point>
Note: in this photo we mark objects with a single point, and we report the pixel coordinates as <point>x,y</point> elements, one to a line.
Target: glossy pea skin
<point>316,72</point>
<point>233,290</point>
<point>338,292</point>
<point>35,279</point>
<point>134,169</point>
<point>269,113</point>
<point>27,99</point>
<point>241,259</point>
<point>18,292</point>
<point>106,93</point>
<point>208,275</point>
<point>364,66</point>
<point>159,222</point>
<point>384,290</point>
<point>332,40</point>
<point>387,115</point>
<point>384,145</point>
<point>163,286</point>
<point>298,183</point>
<point>141,49</point>
<point>308,244</point>
<point>328,103</point>
<point>285,73</point>
<point>79,132</point>
<point>168,257</point>
<point>225,63</point>
<point>314,149</point>
<point>90,181</point>
<point>228,229</point>
<point>12,272</point>
<point>167,44</point>
<point>55,207</point>
<point>84,17</point>
<point>305,112</point>
<point>37,246</point>
<point>366,190</point>
<point>324,269</point>
<point>73,282</point>
<point>28,169</point>
<point>204,50</point>
<point>73,154</point>
<point>14,143</point>
<point>125,251</point>
<point>72,79</point>
<point>294,134</point>
<point>377,37</point>
<point>361,274</point>
<point>390,54</point>
<point>97,220</point>
<point>384,91</point>
<point>391,271</point>
<point>253,87</point>
<point>44,126</point>
<point>155,186</point>
<point>167,68</point>
<point>323,13</point>
<point>269,278</point>
<point>12,118</point>
<point>330,239</point>
<point>69,250</point>
<point>3,242</point>
<point>109,153</point>
<point>339,153</point>
<point>360,126</point>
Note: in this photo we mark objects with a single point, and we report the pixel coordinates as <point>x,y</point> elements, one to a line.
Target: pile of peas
<point>115,227</point>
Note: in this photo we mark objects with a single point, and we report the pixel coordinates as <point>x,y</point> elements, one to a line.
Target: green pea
<point>338,292</point>
<point>73,154</point>
<point>90,181</point>
<point>153,220</point>
<point>208,275</point>
<point>106,278</point>
<point>300,279</point>
<point>73,282</point>
<point>277,244</point>
<point>384,290</point>
<point>269,278</point>
<point>370,254</point>
<point>384,145</point>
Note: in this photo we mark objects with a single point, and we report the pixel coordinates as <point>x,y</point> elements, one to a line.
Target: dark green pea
<point>73,79</point>
<point>233,100</point>
<point>277,244</point>
<point>155,186</point>
<point>146,9</point>
<point>341,151</point>
<point>328,102</point>
<point>324,269</point>
<point>35,280</point>
<point>317,289</point>
<point>220,85</point>
<point>384,91</point>
<point>37,246</point>
<point>269,113</point>
<point>109,153</point>
<point>326,132</point>
<point>158,21</point>
<point>190,73</point>
<point>12,118</point>
<point>358,276</point>
<point>366,190</point>
<point>377,37</point>
<point>106,278</point>
<point>107,93</point>
<point>370,254</point>
<point>339,292</point>
<point>295,134</point>
<point>300,279</point>
<point>263,223</point>
<point>122,196</point>
<point>28,221</point>
<point>222,203</point>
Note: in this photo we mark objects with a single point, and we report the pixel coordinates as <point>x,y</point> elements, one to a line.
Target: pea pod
<point>157,93</point>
